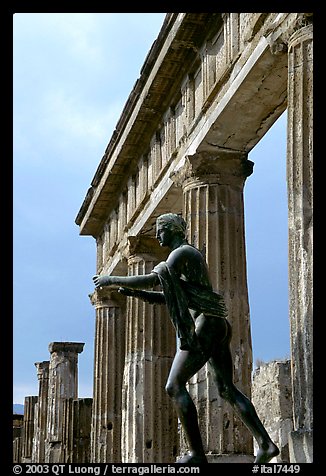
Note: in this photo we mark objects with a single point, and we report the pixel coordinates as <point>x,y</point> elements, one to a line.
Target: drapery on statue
<point>199,317</point>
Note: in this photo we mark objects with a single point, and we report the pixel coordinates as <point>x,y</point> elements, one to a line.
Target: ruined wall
<point>56,425</point>
<point>272,398</point>
<point>17,437</point>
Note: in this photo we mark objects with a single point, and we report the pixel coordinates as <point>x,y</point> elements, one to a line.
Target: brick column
<point>149,426</point>
<point>63,383</point>
<point>41,409</point>
<point>28,428</point>
<point>300,196</point>
<point>213,209</point>
<point>109,354</point>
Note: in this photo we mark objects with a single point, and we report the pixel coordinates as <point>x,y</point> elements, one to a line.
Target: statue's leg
<point>185,365</point>
<point>221,363</point>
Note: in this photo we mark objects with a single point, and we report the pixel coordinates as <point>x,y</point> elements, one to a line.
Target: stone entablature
<point>134,173</point>
<point>234,43</point>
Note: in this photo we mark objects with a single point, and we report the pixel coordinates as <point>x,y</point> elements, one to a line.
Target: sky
<point>72,74</point>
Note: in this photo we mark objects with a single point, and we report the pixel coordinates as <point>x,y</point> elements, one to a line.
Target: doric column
<point>213,208</point>
<point>63,383</point>
<point>28,428</point>
<point>149,427</point>
<point>109,354</point>
<point>300,196</point>
<point>41,409</point>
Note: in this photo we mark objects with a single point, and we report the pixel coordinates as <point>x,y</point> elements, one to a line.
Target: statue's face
<point>164,234</point>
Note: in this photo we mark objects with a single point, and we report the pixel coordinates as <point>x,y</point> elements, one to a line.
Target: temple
<point>210,88</point>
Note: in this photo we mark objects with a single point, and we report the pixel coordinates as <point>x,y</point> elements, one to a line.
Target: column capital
<point>42,369</point>
<point>106,297</point>
<point>223,168</point>
<point>74,347</point>
<point>302,34</point>
<point>278,37</point>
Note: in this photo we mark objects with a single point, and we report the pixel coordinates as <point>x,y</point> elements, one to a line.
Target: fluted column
<point>300,196</point>
<point>149,428</point>
<point>77,429</point>
<point>28,428</point>
<point>41,410</point>
<point>63,383</point>
<point>17,439</point>
<point>109,354</point>
<point>213,208</point>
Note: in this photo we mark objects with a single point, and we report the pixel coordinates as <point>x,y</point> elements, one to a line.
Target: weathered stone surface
<point>149,422</point>
<point>272,397</point>
<point>77,417</point>
<point>230,458</point>
<point>17,437</point>
<point>17,449</point>
<point>28,428</point>
<point>301,446</point>
<point>300,197</point>
<point>63,384</point>
<point>213,207</point>
<point>41,410</point>
<point>109,354</point>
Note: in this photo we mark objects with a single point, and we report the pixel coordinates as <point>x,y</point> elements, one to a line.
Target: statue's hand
<point>100,281</point>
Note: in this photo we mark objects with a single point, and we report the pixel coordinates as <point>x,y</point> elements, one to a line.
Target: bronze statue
<point>199,317</point>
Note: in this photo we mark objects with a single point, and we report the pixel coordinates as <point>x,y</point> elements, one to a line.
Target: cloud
<point>67,115</point>
<point>80,31</point>
<point>65,129</point>
<point>62,62</point>
<point>67,100</point>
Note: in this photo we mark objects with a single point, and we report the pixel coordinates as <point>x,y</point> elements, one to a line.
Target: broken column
<point>63,383</point>
<point>28,428</point>
<point>300,198</point>
<point>18,421</point>
<point>41,409</point>
<point>77,414</point>
<point>213,209</point>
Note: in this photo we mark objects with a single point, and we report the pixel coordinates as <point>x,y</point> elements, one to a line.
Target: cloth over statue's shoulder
<point>180,296</point>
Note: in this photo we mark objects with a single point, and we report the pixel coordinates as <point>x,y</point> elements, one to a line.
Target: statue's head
<point>172,222</point>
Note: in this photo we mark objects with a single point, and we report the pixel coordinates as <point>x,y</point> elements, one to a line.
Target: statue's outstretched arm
<point>152,297</point>
<point>144,281</point>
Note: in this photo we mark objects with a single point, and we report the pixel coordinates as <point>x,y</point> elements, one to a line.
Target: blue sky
<point>73,73</point>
